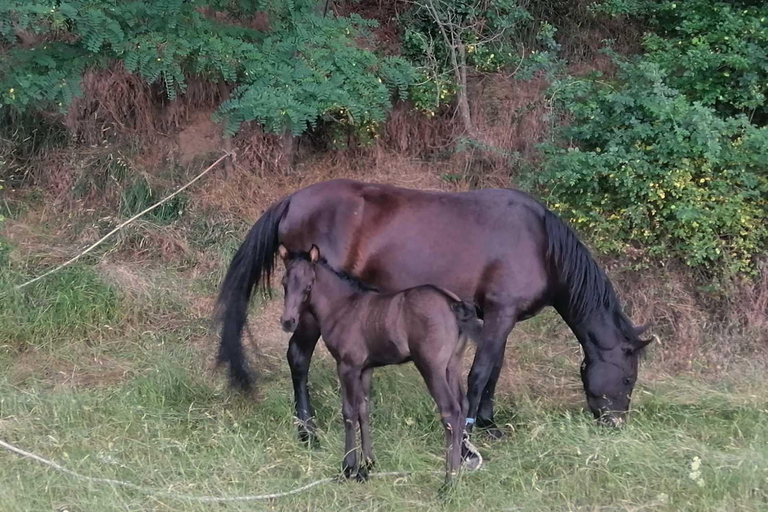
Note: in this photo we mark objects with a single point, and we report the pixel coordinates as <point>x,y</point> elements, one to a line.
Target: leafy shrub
<point>714,52</point>
<point>302,67</point>
<point>656,171</point>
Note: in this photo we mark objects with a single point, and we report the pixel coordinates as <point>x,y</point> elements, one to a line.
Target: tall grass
<point>174,428</point>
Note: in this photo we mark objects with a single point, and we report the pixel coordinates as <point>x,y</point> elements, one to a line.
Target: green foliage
<point>303,67</point>
<point>714,52</point>
<point>140,195</point>
<point>660,172</point>
<point>72,304</point>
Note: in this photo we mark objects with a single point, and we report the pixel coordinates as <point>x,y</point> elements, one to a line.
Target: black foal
<point>364,329</point>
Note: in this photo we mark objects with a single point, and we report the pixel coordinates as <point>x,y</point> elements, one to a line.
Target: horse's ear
<point>314,254</point>
<point>283,252</point>
<point>643,343</point>
<point>640,329</point>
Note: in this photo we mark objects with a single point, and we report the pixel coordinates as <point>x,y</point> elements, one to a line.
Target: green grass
<point>112,382</point>
<point>174,427</point>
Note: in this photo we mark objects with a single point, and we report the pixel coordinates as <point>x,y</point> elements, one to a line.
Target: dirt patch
<point>99,371</point>
<point>246,195</point>
<point>200,137</point>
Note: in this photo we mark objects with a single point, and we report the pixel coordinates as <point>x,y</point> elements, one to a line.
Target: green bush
<point>714,52</point>
<point>303,67</point>
<point>658,172</point>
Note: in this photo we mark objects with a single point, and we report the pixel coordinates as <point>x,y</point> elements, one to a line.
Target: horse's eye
<point>627,381</point>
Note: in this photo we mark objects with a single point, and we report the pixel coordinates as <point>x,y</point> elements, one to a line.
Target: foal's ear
<point>314,254</point>
<point>283,252</point>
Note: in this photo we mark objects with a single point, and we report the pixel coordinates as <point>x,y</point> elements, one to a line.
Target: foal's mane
<point>586,287</point>
<point>345,276</point>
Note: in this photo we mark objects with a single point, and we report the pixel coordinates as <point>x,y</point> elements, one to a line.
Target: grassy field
<point>105,368</point>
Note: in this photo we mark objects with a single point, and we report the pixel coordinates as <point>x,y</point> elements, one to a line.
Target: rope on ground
<point>189,497</point>
<point>122,225</point>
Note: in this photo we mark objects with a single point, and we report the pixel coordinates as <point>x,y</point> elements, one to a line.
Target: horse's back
<point>479,244</point>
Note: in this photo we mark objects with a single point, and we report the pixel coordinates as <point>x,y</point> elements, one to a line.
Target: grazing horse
<point>497,248</point>
<point>364,329</point>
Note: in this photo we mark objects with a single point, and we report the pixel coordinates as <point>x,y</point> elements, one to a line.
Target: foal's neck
<point>330,293</point>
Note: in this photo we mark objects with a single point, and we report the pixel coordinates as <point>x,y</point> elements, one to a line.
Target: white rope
<point>121,226</point>
<point>190,497</point>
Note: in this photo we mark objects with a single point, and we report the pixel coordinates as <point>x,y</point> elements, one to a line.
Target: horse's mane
<point>345,276</point>
<point>587,289</point>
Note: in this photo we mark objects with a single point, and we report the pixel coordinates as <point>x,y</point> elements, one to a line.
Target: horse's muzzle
<point>289,324</point>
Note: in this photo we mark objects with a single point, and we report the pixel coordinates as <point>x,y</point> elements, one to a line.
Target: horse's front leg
<point>485,419</point>
<point>300,349</point>
<point>496,328</point>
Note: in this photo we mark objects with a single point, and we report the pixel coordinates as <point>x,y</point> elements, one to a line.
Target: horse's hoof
<point>309,438</point>
<point>470,456</point>
<point>489,428</point>
<point>494,433</point>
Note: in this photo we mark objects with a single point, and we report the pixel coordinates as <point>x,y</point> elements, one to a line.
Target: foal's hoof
<point>446,491</point>
<point>362,474</point>
<point>347,473</point>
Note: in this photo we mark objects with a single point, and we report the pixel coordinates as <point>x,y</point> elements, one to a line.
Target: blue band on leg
<point>470,421</point>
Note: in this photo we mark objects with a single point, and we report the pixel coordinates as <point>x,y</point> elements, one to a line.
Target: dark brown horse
<point>364,329</point>
<point>500,249</point>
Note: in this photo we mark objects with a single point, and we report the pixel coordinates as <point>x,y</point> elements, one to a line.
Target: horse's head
<point>297,284</point>
<point>609,371</point>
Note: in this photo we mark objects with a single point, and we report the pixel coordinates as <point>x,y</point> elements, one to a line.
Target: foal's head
<point>297,283</point>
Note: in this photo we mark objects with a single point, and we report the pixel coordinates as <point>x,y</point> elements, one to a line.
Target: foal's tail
<point>254,262</point>
<point>470,325</point>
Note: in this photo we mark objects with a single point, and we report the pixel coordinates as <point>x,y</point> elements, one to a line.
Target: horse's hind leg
<point>300,349</point>
<point>365,423</point>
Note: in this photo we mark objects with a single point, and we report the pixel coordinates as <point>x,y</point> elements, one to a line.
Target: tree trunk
<point>229,162</point>
<point>289,149</point>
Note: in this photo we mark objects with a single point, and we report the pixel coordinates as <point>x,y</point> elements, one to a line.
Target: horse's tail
<point>252,265</point>
<point>583,284</point>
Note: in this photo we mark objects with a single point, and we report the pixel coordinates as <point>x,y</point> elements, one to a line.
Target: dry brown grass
<point>77,371</point>
<point>118,103</point>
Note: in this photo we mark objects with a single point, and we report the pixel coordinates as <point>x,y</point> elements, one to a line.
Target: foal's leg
<point>351,388</point>
<point>365,422</point>
<point>450,413</point>
<point>470,457</point>
<point>300,349</point>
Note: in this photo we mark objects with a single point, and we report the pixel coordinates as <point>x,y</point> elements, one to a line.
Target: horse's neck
<point>597,331</point>
<point>330,294</point>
